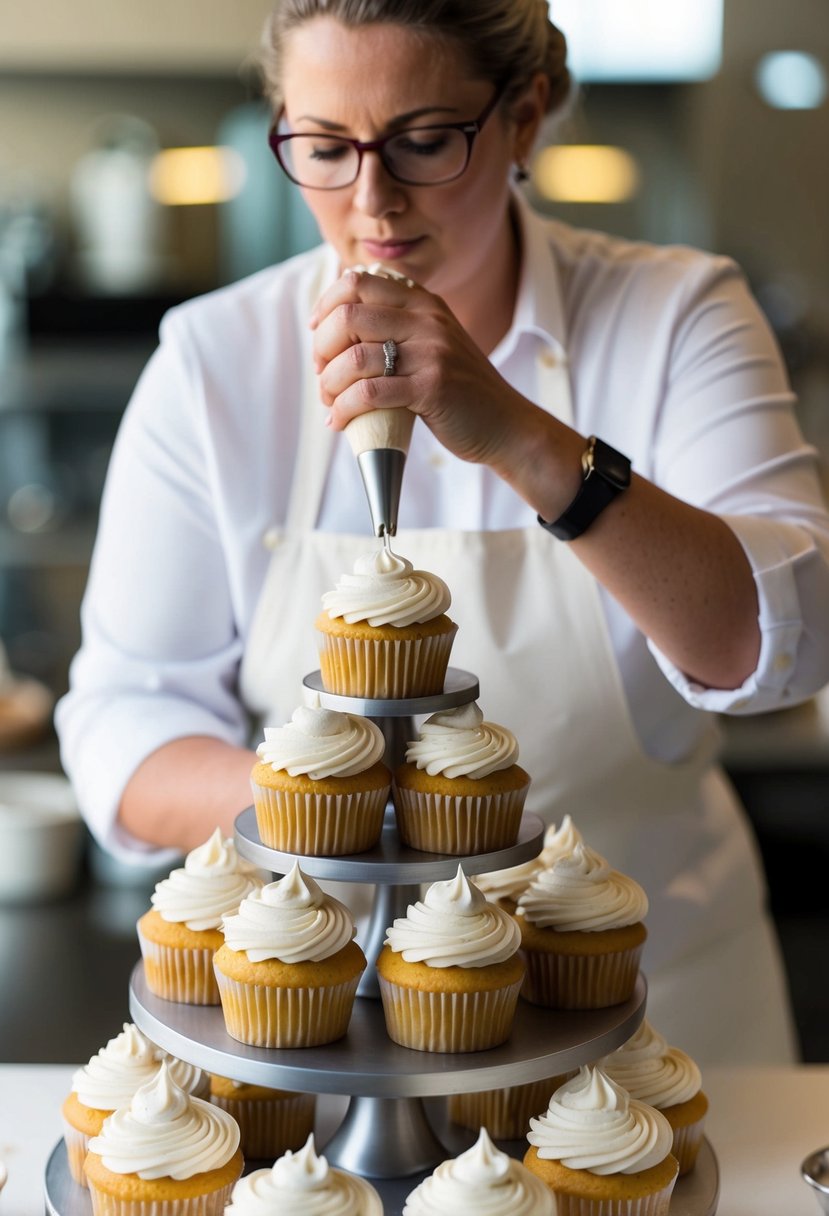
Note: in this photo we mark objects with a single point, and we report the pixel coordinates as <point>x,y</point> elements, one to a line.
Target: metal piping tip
<point>382,473</point>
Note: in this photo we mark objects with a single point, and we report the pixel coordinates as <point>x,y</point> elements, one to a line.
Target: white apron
<point>531,627</point>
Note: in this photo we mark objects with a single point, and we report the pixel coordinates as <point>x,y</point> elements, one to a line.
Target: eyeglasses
<point>416,156</point>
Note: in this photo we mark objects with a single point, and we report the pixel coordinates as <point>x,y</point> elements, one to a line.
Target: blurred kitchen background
<point>134,173</point>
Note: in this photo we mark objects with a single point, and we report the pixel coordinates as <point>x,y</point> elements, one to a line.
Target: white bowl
<point>41,837</point>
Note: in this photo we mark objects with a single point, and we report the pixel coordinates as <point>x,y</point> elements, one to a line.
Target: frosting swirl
<point>652,1071</point>
<point>127,1062</point>
<point>581,891</point>
<point>481,1180</point>
<point>163,1133</point>
<point>303,1184</point>
<point>292,920</point>
<point>458,743</point>
<point>454,926</point>
<point>593,1124</point>
<point>385,589</point>
<point>512,882</point>
<point>212,882</point>
<point>322,743</point>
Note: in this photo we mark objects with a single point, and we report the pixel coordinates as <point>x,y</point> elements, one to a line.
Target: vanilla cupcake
<point>182,931</point>
<point>384,632</point>
<point>505,887</point>
<point>289,968</point>
<point>320,787</point>
<point>460,790</point>
<point>668,1079</point>
<point>109,1080</point>
<point>601,1152</point>
<point>581,933</point>
<point>449,971</point>
<point>483,1179</point>
<point>303,1184</point>
<point>270,1120</point>
<point>166,1154</point>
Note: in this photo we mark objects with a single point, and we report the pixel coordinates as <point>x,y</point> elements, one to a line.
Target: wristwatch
<point>606,473</point>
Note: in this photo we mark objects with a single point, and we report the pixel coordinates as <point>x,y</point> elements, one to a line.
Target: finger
<point>374,393</point>
<point>361,361</point>
<point>354,322</point>
<point>359,285</point>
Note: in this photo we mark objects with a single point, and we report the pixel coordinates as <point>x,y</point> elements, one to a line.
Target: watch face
<point>612,465</point>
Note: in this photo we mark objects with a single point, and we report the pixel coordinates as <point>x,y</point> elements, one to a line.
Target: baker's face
<point>367,82</point>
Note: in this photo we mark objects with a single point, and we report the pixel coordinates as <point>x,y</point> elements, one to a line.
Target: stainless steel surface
<point>382,473</point>
<point>543,1042</point>
<point>385,1138</point>
<point>815,1171</point>
<point>389,861</point>
<point>389,903</point>
<point>459,688</point>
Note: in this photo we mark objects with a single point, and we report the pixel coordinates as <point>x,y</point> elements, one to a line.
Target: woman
<point>698,585</point>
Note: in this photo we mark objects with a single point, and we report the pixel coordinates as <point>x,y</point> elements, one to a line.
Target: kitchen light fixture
<point>585,173</point>
<point>196,176</point>
<point>791,80</point>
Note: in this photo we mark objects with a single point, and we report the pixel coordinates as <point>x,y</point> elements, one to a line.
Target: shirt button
<point>437,460</point>
<point>270,538</point>
<point>783,662</point>
<point>741,704</point>
<point>548,359</point>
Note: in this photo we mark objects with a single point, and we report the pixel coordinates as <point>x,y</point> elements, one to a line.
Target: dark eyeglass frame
<point>470,129</point>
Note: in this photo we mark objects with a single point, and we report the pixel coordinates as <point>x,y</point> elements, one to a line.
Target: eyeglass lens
<point>423,155</point>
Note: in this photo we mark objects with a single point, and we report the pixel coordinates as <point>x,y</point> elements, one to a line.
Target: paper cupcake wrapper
<point>319,825</point>
<point>264,1016</point>
<point>77,1144</point>
<point>415,667</point>
<point>656,1204</point>
<point>184,975</point>
<point>271,1126</point>
<point>195,1205</point>
<point>505,1113</point>
<point>589,981</point>
<point>441,823</point>
<point>448,1021</point>
<point>687,1143</point>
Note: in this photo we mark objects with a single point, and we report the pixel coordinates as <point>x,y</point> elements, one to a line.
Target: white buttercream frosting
<point>581,891</point>
<point>127,1062</point>
<point>512,882</point>
<point>651,1070</point>
<point>213,881</point>
<point>593,1124</point>
<point>459,743</point>
<point>385,589</point>
<point>303,1184</point>
<point>292,920</point>
<point>454,926</point>
<point>484,1182</point>
<point>164,1133</point>
<point>321,743</point>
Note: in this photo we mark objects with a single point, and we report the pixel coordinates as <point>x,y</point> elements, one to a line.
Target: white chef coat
<point>670,360</point>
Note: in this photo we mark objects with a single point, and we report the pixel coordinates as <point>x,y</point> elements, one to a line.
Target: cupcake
<point>668,1079</point>
<point>288,970</point>
<point>506,886</point>
<point>384,632</point>
<point>109,1080</point>
<point>320,787</point>
<point>460,790</point>
<point>182,931</point>
<point>270,1120</point>
<point>303,1184</point>
<point>449,971</point>
<point>581,933</point>
<point>504,1112</point>
<point>166,1154</point>
<point>483,1179</point>
<point>601,1152</point>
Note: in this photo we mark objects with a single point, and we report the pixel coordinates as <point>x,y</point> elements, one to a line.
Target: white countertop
<point>761,1124</point>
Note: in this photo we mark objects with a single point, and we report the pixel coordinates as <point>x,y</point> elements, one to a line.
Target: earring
<point>521,173</point>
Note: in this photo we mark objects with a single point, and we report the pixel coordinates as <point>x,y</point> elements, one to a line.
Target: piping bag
<point>380,441</point>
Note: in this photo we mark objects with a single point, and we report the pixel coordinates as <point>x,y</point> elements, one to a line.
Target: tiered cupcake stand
<point>395,1128</point>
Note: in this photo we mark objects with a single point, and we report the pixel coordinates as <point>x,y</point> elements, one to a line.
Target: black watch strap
<point>606,473</point>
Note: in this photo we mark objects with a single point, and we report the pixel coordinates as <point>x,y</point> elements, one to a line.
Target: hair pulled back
<point>505,41</point>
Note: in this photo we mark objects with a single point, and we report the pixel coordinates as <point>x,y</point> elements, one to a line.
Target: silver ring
<point>390,356</point>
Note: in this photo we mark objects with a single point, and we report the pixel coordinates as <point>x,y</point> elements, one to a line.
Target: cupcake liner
<point>589,981</point>
<point>319,825</point>
<point>377,668</point>
<point>448,1021</point>
<point>656,1204</point>
<point>270,1126</point>
<point>459,824</point>
<point>212,1204</point>
<point>687,1143</point>
<point>265,1016</point>
<point>505,1113</point>
<point>77,1144</point>
<point>179,974</point>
